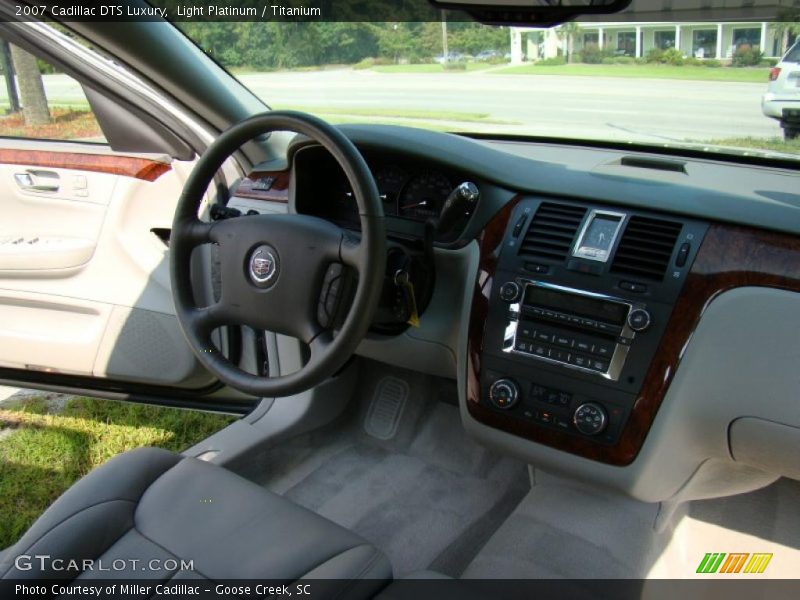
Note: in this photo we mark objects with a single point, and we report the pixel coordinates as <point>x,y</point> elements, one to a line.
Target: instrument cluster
<point>410,190</point>
<point>407,191</point>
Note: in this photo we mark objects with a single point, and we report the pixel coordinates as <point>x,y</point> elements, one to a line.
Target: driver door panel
<point>84,284</point>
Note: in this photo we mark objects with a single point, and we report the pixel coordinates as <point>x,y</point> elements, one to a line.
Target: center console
<point>572,303</point>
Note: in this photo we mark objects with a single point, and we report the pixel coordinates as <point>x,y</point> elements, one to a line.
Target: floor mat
<point>429,496</point>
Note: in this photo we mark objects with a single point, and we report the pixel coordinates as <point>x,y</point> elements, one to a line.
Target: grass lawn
<point>237,71</point>
<point>744,75</point>
<point>771,144</point>
<point>433,126</point>
<point>71,124</point>
<point>45,446</point>
<point>384,114</point>
<point>67,123</point>
<point>429,68</point>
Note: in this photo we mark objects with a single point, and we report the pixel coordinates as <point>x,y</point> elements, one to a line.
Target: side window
<point>38,102</point>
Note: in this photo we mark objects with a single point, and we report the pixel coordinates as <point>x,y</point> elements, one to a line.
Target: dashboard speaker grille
<point>552,231</point>
<point>645,248</point>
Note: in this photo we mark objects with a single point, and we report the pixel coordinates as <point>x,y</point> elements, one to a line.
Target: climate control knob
<point>639,319</point>
<point>504,393</point>
<point>590,418</point>
<point>509,292</point>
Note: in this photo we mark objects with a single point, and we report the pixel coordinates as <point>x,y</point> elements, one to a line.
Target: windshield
<point>653,83</point>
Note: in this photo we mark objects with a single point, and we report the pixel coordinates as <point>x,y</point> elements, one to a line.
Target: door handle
<point>35,180</point>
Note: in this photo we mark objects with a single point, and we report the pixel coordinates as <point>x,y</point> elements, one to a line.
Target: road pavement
<point>650,110</point>
<point>654,110</point>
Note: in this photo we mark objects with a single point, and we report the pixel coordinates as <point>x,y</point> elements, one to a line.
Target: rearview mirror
<point>531,12</point>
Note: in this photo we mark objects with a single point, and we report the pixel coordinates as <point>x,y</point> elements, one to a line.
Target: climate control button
<point>504,393</point>
<point>590,418</point>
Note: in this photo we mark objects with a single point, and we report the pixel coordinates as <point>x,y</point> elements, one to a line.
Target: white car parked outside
<point>782,100</point>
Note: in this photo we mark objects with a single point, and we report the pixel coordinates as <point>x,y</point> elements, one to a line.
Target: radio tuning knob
<point>509,291</point>
<point>504,393</point>
<point>639,319</point>
<point>590,418</point>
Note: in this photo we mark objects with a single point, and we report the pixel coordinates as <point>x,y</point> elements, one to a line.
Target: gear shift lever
<point>460,202</point>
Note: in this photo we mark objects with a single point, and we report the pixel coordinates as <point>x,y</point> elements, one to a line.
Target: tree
<point>568,31</point>
<point>8,75</point>
<point>31,87</point>
<point>784,29</point>
<point>474,38</point>
<point>397,42</point>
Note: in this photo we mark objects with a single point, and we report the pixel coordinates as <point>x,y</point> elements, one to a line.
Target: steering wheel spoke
<point>350,251</point>
<point>321,344</point>
<point>196,232</point>
<point>208,318</point>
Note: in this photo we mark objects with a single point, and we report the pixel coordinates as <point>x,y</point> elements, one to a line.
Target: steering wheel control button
<point>330,297</point>
<point>639,319</point>
<point>504,393</point>
<point>590,418</point>
<point>263,266</point>
<point>509,292</point>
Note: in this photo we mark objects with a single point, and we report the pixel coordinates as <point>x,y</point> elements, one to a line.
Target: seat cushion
<point>150,504</point>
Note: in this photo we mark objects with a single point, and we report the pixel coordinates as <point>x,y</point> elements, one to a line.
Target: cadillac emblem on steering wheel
<point>264,266</point>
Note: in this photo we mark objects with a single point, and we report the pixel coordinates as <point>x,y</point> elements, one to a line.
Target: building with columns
<point>700,40</point>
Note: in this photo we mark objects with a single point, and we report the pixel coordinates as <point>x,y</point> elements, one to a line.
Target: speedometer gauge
<point>390,180</point>
<point>344,208</point>
<point>424,196</point>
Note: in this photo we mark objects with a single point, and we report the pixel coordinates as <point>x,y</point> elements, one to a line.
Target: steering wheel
<point>273,267</point>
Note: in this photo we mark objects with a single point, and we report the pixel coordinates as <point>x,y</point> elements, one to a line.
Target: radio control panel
<point>580,330</point>
<point>567,359</point>
<point>577,305</point>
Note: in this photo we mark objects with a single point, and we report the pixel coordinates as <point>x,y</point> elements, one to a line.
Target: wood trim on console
<point>278,190</point>
<point>490,242</point>
<point>729,257</point>
<point>127,166</point>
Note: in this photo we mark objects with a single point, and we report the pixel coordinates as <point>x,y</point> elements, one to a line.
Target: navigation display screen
<point>598,237</point>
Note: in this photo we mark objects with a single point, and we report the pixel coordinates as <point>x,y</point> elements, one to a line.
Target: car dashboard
<point>600,308</point>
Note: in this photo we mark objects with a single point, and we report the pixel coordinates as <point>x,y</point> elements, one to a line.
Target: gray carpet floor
<point>429,497</point>
<point>566,530</point>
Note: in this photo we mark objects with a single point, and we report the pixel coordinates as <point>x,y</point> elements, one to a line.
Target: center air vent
<point>552,231</point>
<point>646,248</point>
